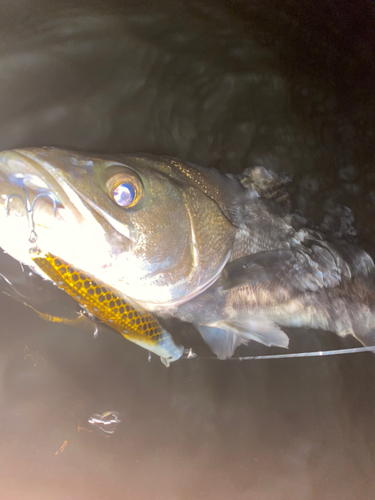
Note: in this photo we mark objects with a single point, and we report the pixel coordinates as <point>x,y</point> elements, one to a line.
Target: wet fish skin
<point>310,285</point>
<point>212,249</point>
<point>170,246</point>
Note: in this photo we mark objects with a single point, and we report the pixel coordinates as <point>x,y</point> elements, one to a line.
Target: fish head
<point>154,228</point>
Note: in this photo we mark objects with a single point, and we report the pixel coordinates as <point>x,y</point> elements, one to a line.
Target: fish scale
<point>219,251</point>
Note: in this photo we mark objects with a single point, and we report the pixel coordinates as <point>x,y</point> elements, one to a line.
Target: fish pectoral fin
<point>301,269</point>
<point>254,269</point>
<point>224,337</point>
<point>222,342</point>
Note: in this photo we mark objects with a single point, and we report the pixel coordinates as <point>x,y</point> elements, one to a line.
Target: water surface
<point>226,84</point>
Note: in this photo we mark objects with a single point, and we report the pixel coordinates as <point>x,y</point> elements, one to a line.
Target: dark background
<point>284,84</point>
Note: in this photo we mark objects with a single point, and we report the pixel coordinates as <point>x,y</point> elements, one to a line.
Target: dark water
<point>287,85</point>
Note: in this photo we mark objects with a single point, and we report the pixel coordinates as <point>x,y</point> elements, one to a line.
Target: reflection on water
<point>106,422</point>
<point>264,429</point>
<point>279,92</point>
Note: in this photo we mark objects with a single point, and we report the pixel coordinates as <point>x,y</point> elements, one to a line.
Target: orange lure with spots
<point>108,306</point>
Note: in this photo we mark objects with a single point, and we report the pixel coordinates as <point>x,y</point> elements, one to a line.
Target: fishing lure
<point>108,306</point>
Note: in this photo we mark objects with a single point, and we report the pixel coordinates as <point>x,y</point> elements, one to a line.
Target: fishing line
<point>190,354</point>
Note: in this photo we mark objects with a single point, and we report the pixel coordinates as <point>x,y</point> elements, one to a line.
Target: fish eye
<point>124,194</point>
<point>125,188</point>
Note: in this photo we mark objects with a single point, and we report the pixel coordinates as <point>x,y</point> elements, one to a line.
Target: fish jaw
<point>164,252</point>
<point>62,222</point>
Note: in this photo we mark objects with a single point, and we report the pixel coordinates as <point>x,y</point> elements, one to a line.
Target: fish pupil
<point>124,194</point>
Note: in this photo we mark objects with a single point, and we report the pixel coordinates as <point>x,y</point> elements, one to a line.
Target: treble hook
<point>29,207</point>
<point>189,354</point>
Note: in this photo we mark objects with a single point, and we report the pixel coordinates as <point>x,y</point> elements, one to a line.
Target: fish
<point>175,239</point>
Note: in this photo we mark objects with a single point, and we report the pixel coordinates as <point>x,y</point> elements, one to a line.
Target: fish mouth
<point>38,197</point>
<point>32,173</point>
<point>25,177</point>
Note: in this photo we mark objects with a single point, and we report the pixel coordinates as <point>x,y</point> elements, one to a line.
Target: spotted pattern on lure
<point>104,303</point>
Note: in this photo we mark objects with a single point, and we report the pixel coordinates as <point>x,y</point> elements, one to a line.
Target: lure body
<point>110,307</point>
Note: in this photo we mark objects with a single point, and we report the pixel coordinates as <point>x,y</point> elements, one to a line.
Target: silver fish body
<point>189,242</point>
